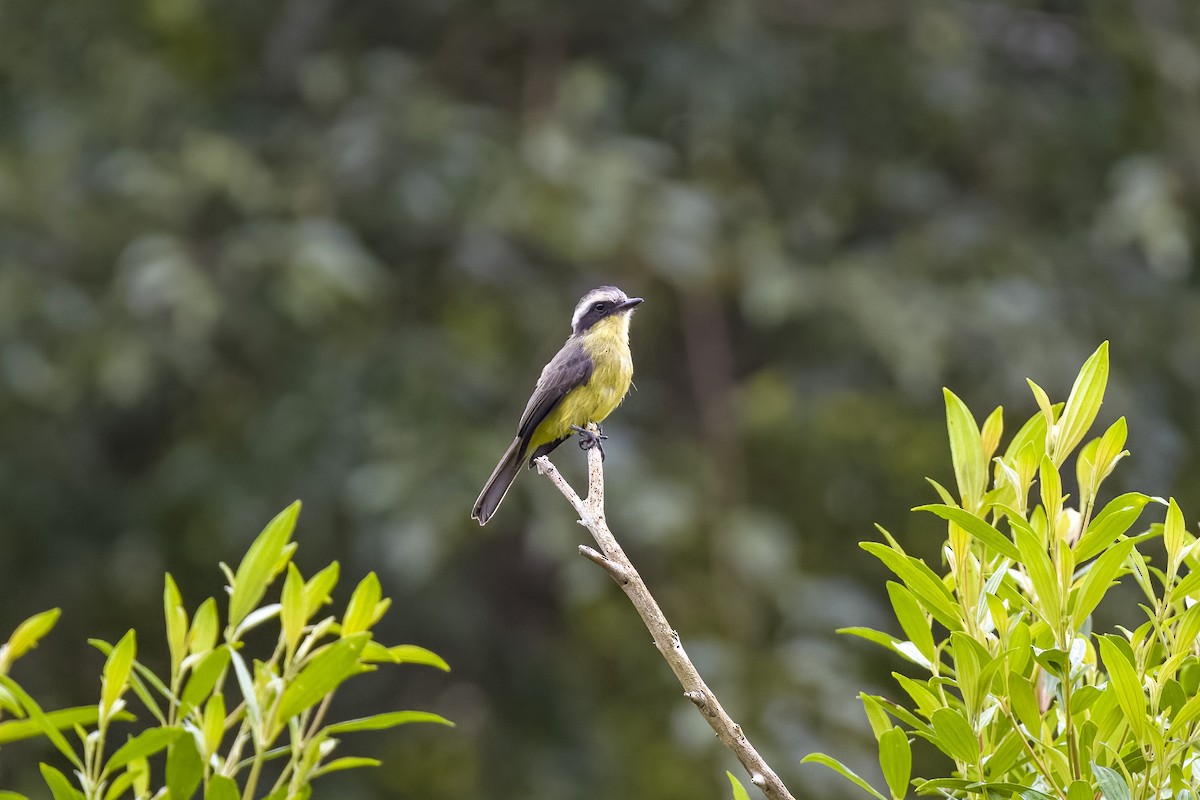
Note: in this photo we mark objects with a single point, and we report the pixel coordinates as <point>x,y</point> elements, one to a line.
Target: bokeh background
<point>257,251</point>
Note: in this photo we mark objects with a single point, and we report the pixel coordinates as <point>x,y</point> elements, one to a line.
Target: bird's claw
<point>589,439</point>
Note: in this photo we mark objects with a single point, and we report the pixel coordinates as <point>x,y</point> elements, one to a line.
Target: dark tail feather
<point>497,485</point>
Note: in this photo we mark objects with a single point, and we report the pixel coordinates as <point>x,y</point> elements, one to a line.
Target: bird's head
<point>601,303</point>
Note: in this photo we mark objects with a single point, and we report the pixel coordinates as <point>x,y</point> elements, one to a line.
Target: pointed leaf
<point>184,768</point>
<point>843,770</point>
<point>1124,681</point>
<point>978,528</point>
<point>895,757</point>
<point>322,675</point>
<point>954,736</point>
<point>379,722</point>
<point>966,450</point>
<point>739,791</point>
<point>1112,783</point>
<point>260,564</point>
<point>116,672</point>
<point>60,787</point>
<point>28,634</point>
<point>222,788</point>
<point>145,744</point>
<point>1112,521</point>
<point>1083,403</point>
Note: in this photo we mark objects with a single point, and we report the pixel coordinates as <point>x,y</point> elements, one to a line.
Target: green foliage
<point>1020,694</point>
<point>220,715</point>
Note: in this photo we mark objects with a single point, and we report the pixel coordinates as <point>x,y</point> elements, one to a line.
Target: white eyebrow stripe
<point>607,294</point>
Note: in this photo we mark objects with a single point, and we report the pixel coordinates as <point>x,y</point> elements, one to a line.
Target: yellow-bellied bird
<point>583,383</point>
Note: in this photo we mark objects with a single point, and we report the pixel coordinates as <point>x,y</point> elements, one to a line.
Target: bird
<point>584,382</point>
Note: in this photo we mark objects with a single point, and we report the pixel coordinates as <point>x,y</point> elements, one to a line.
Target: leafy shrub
<point>1018,691</point>
<point>220,716</point>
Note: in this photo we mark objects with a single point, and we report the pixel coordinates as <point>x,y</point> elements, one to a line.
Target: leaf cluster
<point>1016,689</point>
<point>220,715</point>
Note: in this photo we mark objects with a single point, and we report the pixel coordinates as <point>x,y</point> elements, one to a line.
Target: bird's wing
<point>570,367</point>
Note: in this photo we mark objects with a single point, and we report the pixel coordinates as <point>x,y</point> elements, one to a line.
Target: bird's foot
<point>589,438</point>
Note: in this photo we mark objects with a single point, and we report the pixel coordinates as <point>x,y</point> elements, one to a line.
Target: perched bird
<point>583,383</point>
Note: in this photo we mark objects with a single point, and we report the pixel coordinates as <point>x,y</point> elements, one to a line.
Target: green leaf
<point>1112,783</point>
<point>1112,521</point>
<point>378,722</point>
<point>954,736</point>
<point>176,621</point>
<point>1124,681</point>
<point>366,606</point>
<point>116,673</point>
<point>895,757</point>
<point>978,528</point>
<point>843,770</point>
<point>1082,404</point>
<point>918,577</point>
<point>221,787</point>
<point>739,791</point>
<point>1100,577</point>
<point>316,591</point>
<point>1174,532</point>
<point>912,619</point>
<point>261,564</point>
<point>1041,573</point>
<point>184,768</point>
<point>1052,494</point>
<point>6,795</point>
<point>1080,790</point>
<point>906,650</point>
<point>203,636</point>
<point>1043,401</point>
<point>60,787</point>
<point>208,671</point>
<point>40,718</point>
<point>294,612</point>
<point>28,634</point>
<point>214,723</point>
<point>404,654</point>
<point>966,450</point>
<point>322,675</point>
<point>145,744</point>
<point>347,762</point>
<point>16,729</point>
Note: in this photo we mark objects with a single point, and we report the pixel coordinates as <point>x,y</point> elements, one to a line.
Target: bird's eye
<point>599,306</point>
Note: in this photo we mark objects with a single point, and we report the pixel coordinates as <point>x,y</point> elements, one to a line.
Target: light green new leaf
<point>912,619</point>
<point>918,577</point>
<point>1024,702</point>
<point>208,671</point>
<point>1043,401</point>
<point>1112,783</point>
<point>1080,790</point>
<point>1111,449</point>
<point>60,787</point>
<point>322,675</point>
<point>378,722</point>
<point>14,730</point>
<point>966,450</point>
<point>1174,531</point>
<point>145,744</point>
<point>176,619</point>
<point>6,795</point>
<point>895,758</point>
<point>214,723</point>
<point>28,634</point>
<point>414,654</point>
<point>843,770</point>
<point>366,606</point>
<point>202,638</point>
<point>1124,681</point>
<point>1052,494</point>
<point>1082,404</point>
<point>906,650</point>
<point>261,563</point>
<point>954,737</point>
<point>1100,576</point>
<point>978,528</point>
<point>347,762</point>
<point>316,591</point>
<point>293,614</point>
<point>221,787</point>
<point>739,791</point>
<point>116,672</point>
<point>1041,574</point>
<point>991,431</point>
<point>184,767</point>
<point>1112,521</point>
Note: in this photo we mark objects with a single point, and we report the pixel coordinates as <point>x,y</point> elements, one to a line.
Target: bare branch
<point>614,561</point>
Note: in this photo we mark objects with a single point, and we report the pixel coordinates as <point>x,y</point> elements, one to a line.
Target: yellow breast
<point>607,343</point>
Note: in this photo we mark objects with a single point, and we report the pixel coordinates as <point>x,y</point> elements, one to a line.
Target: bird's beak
<point>630,303</point>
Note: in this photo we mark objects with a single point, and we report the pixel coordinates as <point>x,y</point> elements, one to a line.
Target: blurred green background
<point>257,251</point>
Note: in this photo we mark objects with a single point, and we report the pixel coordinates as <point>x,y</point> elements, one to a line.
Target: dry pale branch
<point>612,558</point>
